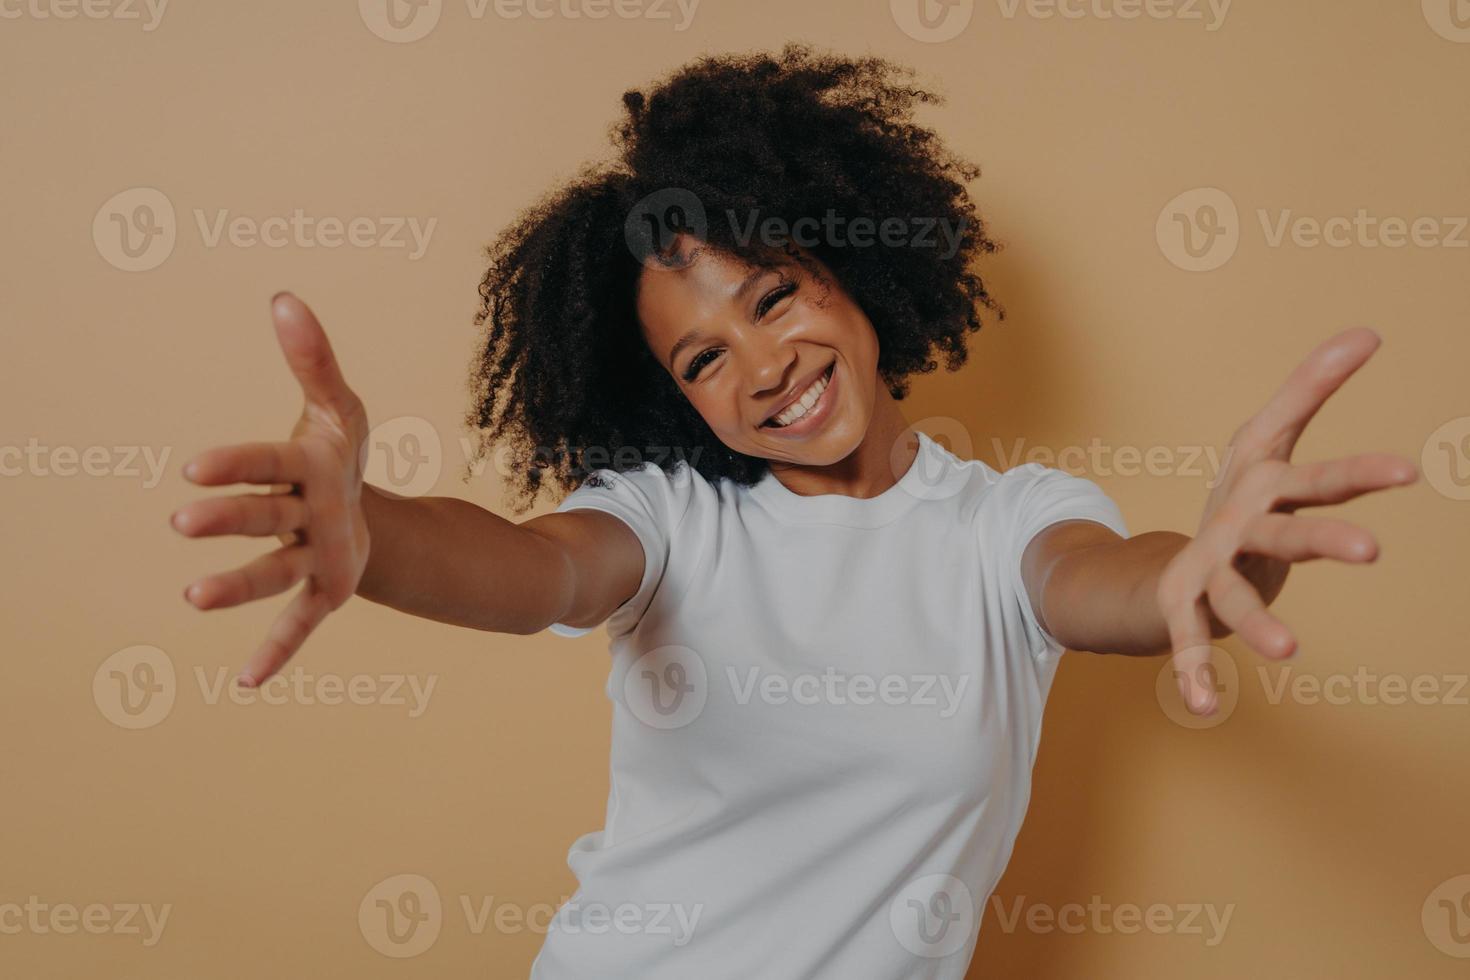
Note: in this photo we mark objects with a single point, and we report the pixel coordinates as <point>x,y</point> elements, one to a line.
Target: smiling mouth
<point>825,380</point>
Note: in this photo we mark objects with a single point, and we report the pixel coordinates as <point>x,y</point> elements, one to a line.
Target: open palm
<point>1250,534</point>
<point>319,516</point>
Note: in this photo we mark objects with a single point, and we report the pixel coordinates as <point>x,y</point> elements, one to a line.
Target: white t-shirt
<point>825,715</point>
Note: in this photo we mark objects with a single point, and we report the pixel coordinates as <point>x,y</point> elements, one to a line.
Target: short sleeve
<point>651,502</point>
<point>1034,497</point>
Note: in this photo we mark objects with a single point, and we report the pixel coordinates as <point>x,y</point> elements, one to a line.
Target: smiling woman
<point>592,340</point>
<point>831,638</point>
<point>767,359</point>
<point>816,536</point>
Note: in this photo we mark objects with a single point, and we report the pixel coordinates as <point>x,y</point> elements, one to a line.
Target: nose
<point>770,366</point>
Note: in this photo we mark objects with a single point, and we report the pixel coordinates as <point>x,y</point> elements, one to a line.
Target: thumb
<point>309,354</point>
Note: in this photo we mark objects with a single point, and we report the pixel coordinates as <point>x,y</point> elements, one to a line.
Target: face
<point>743,343</point>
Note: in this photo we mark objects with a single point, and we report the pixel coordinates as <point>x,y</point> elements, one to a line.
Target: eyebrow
<point>694,336</point>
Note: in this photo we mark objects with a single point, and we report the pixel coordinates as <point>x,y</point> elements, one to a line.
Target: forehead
<point>699,287</point>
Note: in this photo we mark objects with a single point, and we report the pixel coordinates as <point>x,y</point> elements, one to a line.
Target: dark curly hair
<point>563,377</point>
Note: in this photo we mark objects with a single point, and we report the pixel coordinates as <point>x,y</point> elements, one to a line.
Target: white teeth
<point>803,404</point>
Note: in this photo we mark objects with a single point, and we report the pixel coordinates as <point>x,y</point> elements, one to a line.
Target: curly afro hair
<point>563,378</point>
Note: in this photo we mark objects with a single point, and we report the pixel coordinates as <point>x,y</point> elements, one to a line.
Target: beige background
<point>1331,831</point>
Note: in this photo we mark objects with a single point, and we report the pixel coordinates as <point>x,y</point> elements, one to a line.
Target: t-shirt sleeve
<point>1034,498</point>
<point>650,502</point>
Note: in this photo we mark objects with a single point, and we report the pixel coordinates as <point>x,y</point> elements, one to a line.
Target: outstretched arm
<point>438,557</point>
<point>1163,591</point>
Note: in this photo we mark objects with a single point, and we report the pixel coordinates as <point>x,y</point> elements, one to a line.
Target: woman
<point>832,639</point>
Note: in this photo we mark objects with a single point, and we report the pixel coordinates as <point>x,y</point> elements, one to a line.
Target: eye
<point>692,371</point>
<point>786,288</point>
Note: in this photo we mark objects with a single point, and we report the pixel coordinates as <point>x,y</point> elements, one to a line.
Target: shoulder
<point>660,492</point>
<point>1024,498</point>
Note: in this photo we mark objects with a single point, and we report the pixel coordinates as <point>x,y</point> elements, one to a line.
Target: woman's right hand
<point>317,511</point>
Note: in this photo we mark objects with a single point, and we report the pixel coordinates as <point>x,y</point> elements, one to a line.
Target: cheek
<point>717,403</point>
<point>862,342</point>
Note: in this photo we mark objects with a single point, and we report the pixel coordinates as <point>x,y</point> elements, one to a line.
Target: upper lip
<point>794,392</point>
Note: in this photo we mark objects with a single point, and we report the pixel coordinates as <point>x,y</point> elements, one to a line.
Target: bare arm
<point>1164,591</point>
<point>1095,590</point>
<point>437,557</point>
<point>455,562</point>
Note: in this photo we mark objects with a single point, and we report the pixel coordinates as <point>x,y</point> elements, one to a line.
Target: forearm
<point>1102,598</point>
<point>449,560</point>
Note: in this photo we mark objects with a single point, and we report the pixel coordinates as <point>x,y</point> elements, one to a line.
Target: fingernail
<point>191,470</point>
<point>277,296</point>
<point>244,680</point>
<point>191,593</point>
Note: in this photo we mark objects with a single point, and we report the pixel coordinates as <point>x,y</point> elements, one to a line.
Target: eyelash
<point>776,295</point>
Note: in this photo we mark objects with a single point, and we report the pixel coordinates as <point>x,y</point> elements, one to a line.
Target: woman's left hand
<point>1223,579</point>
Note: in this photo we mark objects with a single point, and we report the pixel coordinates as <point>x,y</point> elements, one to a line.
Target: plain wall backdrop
<point>1325,817</point>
